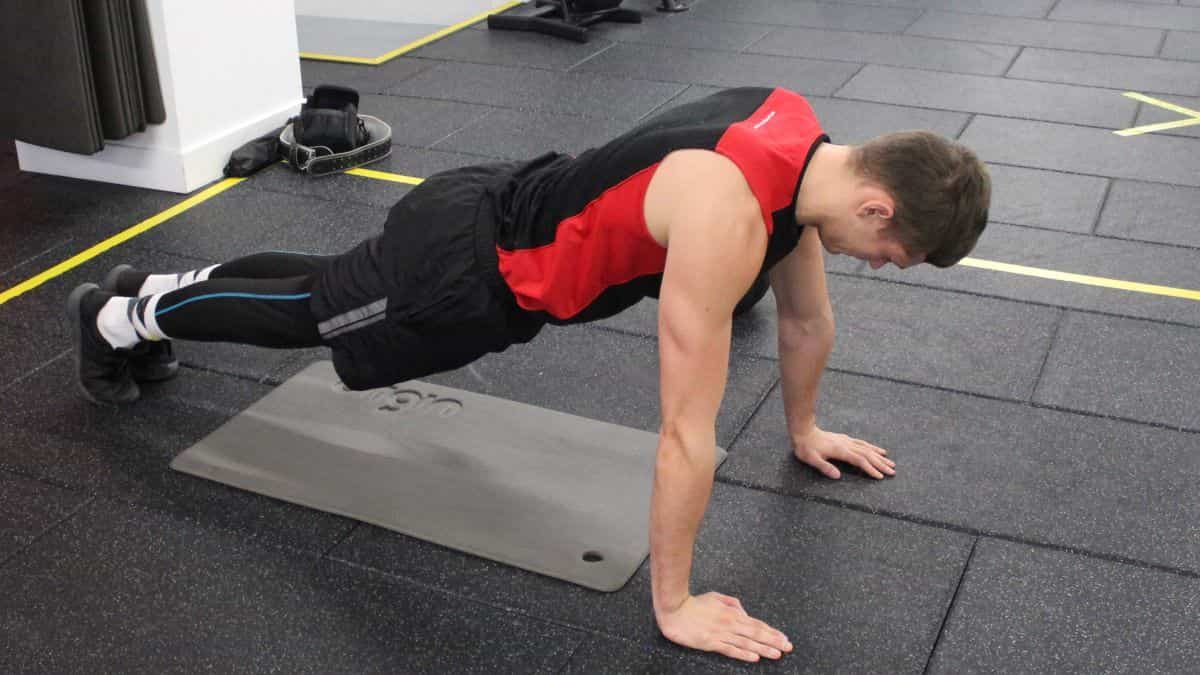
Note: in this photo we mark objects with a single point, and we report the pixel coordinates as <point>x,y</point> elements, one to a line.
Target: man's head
<point>914,197</point>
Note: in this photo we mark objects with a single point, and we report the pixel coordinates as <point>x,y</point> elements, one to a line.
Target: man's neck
<point>823,185</point>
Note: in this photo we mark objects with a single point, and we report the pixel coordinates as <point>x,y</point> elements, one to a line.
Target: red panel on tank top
<point>604,245</point>
<point>770,147</point>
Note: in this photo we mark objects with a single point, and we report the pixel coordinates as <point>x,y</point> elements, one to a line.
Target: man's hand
<point>818,447</point>
<point>717,623</point>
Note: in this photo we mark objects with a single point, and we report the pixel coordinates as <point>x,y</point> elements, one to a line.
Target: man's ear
<point>876,202</point>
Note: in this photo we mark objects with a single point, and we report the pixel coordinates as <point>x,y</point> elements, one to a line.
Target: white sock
<point>114,324</point>
<point>165,283</point>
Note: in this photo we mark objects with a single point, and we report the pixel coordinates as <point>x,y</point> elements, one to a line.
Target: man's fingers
<point>822,465</point>
<point>735,652</point>
<point>755,647</point>
<point>881,464</point>
<point>760,631</point>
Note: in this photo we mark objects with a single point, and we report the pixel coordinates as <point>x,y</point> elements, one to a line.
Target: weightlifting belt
<point>321,160</point>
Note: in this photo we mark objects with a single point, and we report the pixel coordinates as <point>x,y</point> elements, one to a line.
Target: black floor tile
<point>858,121</point>
<point>28,508</point>
<point>540,90</point>
<point>810,14</point>
<point>1105,70</point>
<point>1105,486</point>
<point>1086,37</point>
<point>243,221</point>
<point>25,347</point>
<point>151,592</point>
<point>1123,13</point>
<point>422,122</point>
<point>513,134</point>
<point>1125,368</point>
<point>620,657</point>
<point>1020,8</point>
<point>52,433</point>
<point>913,334</point>
<point>1097,152</point>
<point>683,30</point>
<point>694,66</point>
<point>363,78</point>
<point>1181,45</point>
<point>1048,199</point>
<point>1152,212</point>
<point>1023,609</point>
<point>1078,254</point>
<point>991,96</point>
<point>895,50</point>
<point>838,583</point>
<point>511,48</point>
<point>341,187</point>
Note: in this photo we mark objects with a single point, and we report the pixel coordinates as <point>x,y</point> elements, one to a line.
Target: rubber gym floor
<point>1040,399</point>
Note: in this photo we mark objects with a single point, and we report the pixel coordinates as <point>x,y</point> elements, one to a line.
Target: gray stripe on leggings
<point>354,319</point>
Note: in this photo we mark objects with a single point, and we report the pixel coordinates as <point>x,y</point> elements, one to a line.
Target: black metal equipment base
<point>673,6</point>
<point>558,19</point>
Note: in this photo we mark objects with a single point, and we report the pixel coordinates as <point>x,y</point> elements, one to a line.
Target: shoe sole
<point>74,300</point>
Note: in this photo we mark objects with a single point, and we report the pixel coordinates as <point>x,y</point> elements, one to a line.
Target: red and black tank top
<point>572,240</point>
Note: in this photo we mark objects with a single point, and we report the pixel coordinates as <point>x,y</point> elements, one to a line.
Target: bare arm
<point>716,245</point>
<point>806,329</point>
<point>806,334</point>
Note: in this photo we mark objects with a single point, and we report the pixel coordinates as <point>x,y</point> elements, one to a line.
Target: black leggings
<point>261,299</point>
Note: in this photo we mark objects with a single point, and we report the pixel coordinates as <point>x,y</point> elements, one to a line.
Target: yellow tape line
<point>1193,116</point>
<point>400,51</point>
<point>383,175</point>
<point>117,239</point>
<point>1084,279</point>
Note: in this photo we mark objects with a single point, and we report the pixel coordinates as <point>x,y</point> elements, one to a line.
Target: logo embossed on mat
<point>405,400</point>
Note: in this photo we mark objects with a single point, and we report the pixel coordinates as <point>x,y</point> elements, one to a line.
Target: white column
<point>230,71</point>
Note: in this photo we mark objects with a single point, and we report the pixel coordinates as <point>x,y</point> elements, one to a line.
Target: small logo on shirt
<point>767,119</point>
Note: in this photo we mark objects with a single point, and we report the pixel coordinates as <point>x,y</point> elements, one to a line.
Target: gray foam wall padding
<point>537,489</point>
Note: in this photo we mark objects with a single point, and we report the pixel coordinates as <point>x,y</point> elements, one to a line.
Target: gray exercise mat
<point>538,489</point>
<point>355,38</point>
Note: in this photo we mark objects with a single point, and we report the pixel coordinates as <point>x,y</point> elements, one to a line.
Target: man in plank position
<point>691,206</point>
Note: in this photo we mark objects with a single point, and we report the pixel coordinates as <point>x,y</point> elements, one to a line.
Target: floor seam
<point>354,526</point>
<point>1100,211</point>
<point>567,661</point>
<point>1162,44</point>
<point>1037,380</point>
<point>950,609</point>
<point>54,526</point>
<point>961,529</point>
<point>758,405</point>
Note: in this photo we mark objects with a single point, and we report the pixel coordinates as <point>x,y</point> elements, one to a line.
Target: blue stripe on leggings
<point>252,296</point>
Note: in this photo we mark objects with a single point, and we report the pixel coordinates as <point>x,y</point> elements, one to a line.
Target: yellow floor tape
<point>399,51</point>
<point>117,239</point>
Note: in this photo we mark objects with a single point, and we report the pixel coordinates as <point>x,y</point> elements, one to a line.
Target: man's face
<point>867,238</point>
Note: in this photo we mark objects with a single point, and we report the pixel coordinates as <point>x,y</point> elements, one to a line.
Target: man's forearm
<point>683,479</point>
<point>804,348</point>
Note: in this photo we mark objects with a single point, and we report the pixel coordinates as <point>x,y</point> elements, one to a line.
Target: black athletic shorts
<point>426,295</point>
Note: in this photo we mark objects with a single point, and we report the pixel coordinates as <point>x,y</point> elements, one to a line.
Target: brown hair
<point>940,187</point>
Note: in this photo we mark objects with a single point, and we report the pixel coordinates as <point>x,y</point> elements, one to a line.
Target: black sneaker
<point>149,361</point>
<point>102,372</point>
